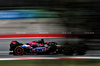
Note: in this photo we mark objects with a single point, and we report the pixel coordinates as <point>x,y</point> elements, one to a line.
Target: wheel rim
<point>19,50</point>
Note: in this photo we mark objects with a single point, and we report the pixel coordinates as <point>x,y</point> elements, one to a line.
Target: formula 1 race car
<point>41,47</point>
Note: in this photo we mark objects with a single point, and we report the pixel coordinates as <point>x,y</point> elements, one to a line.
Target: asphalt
<point>4,47</point>
<point>5,43</point>
<point>90,53</point>
<point>37,26</point>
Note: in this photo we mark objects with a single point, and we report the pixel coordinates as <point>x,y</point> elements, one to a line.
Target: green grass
<point>60,62</point>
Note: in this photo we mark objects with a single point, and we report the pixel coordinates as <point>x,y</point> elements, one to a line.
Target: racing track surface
<point>4,47</point>
<point>37,26</point>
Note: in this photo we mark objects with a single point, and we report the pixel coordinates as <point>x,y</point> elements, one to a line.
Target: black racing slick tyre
<point>68,51</point>
<point>18,50</point>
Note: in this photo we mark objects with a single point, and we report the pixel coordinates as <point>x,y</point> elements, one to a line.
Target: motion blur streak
<point>49,58</point>
<point>26,14</point>
<point>40,35</point>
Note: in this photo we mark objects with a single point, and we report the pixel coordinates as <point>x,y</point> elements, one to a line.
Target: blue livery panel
<point>39,49</point>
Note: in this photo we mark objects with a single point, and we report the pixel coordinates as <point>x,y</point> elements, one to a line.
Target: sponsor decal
<point>39,49</point>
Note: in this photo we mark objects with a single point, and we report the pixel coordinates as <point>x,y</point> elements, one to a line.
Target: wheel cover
<point>18,50</point>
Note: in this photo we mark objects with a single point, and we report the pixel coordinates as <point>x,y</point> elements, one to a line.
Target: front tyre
<point>68,51</point>
<point>18,50</point>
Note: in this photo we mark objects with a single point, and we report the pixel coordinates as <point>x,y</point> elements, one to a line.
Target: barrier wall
<point>24,14</point>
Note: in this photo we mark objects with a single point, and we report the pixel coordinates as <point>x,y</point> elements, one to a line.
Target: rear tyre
<point>18,50</point>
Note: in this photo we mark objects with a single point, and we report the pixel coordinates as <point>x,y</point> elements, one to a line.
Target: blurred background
<point>52,17</point>
<point>76,16</point>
